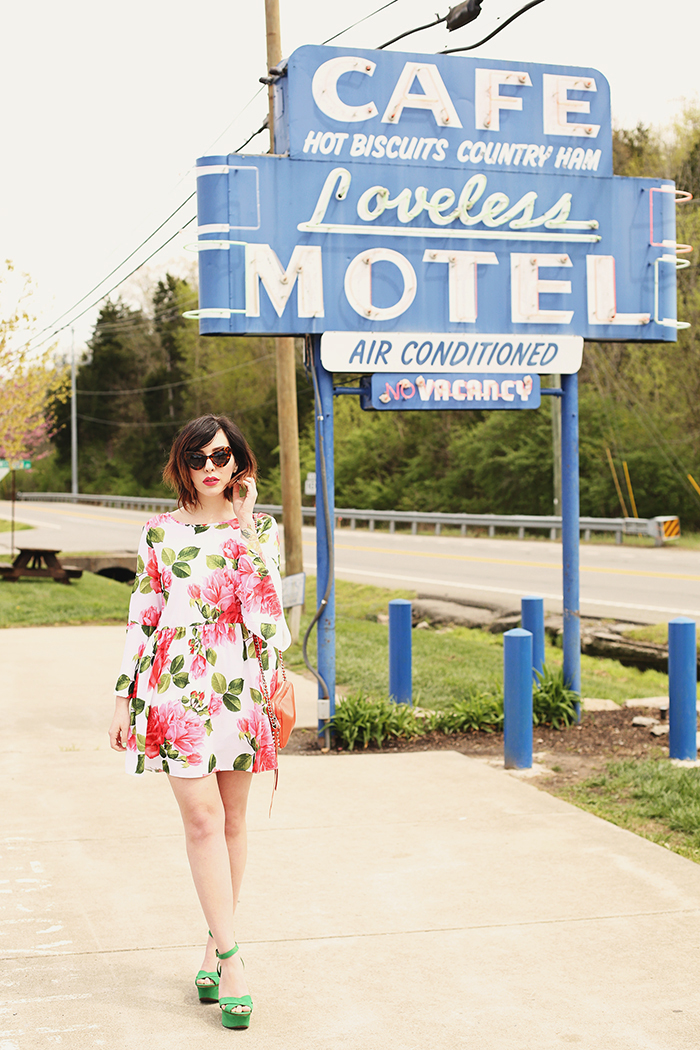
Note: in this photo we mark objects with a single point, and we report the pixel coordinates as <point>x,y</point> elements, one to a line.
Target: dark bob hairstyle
<point>192,438</point>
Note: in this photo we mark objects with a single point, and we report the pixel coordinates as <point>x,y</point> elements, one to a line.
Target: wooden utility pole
<point>286,377</point>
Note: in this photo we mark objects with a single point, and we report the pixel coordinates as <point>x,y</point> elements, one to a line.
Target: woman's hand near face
<point>243,504</point>
<point>119,729</point>
<point>243,509</point>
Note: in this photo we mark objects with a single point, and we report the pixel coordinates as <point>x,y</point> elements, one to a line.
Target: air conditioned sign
<point>477,227</point>
<point>379,352</point>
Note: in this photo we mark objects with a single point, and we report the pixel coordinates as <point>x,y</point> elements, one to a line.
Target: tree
<point>29,382</point>
<point>146,373</point>
<point>113,434</point>
<point>165,388</point>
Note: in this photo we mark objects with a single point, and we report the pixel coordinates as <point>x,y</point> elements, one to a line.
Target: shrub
<point>478,711</point>
<point>360,719</point>
<point>553,703</point>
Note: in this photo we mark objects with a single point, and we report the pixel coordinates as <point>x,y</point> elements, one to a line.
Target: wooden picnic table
<point>29,563</point>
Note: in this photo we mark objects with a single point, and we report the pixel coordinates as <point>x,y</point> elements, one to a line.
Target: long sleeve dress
<point>190,668</point>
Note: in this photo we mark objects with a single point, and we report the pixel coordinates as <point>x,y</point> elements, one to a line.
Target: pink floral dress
<point>190,670</point>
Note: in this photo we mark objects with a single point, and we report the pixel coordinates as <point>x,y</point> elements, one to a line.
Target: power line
<point>166,423</point>
<point>114,287</point>
<point>230,125</point>
<point>453,50</point>
<point>112,272</point>
<point>373,13</point>
<point>148,322</point>
<point>56,331</point>
<point>184,382</point>
<point>410,32</point>
<point>445,18</point>
<point>157,229</point>
<point>118,423</point>
<point>263,127</point>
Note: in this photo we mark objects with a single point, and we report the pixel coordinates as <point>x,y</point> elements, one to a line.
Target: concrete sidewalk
<point>391,903</point>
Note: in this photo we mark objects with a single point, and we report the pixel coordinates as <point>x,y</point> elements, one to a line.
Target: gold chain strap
<point>269,709</point>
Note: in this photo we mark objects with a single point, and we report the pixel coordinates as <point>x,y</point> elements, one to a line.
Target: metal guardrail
<point>125,502</point>
<point>652,527</point>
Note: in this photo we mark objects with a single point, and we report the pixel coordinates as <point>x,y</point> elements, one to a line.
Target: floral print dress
<point>190,669</point>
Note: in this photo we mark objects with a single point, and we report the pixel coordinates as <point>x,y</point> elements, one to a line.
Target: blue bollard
<point>400,642</point>
<point>682,689</point>
<point>532,620</point>
<point>517,699</point>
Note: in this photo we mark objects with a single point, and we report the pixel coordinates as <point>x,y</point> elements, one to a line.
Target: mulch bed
<point>572,753</point>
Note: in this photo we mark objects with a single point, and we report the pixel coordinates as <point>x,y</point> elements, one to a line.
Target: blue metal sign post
<point>325,525</point>
<point>570,535</point>
<point>447,228</point>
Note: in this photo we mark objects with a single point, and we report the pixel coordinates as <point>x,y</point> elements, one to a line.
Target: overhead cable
<point>371,15</point>
<point>263,127</point>
<point>454,50</point>
<point>240,113</point>
<point>55,331</point>
<point>113,288</point>
<point>135,423</point>
<point>161,423</point>
<point>184,382</point>
<point>409,32</point>
<point>112,272</point>
<point>147,321</point>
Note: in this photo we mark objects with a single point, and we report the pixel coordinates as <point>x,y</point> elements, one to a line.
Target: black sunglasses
<point>198,460</point>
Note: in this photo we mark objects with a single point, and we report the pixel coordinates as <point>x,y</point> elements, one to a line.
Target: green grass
<point>445,663</point>
<point>439,660</point>
<point>653,632</point>
<point>649,797</point>
<point>6,526</point>
<point>91,599</point>
<point>609,680</point>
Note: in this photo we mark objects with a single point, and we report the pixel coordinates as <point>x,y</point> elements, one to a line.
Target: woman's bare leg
<point>204,816</point>
<point>234,787</point>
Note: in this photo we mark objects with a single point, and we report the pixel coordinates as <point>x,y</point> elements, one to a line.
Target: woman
<point>190,695</point>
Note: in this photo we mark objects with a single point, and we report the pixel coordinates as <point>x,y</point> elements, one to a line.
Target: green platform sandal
<point>208,993</point>
<point>231,1017</point>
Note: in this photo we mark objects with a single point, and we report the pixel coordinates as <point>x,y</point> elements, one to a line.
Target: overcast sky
<point>106,107</point>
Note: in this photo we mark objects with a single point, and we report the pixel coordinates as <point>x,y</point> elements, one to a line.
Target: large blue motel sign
<point>435,194</point>
<point>448,228</point>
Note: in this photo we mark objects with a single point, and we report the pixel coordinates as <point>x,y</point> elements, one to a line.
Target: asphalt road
<point>644,584</point>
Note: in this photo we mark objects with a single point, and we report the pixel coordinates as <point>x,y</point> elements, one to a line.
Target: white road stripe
<point>415,580</point>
